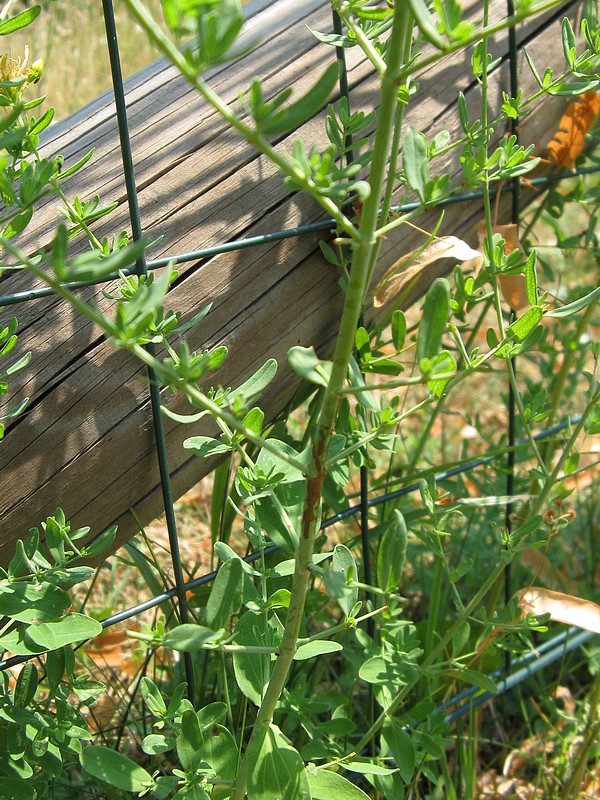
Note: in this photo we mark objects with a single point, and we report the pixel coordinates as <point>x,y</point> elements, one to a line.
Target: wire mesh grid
<point>513,673</point>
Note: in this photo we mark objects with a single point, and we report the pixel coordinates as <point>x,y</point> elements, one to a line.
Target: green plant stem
<point>345,14</point>
<point>357,284</point>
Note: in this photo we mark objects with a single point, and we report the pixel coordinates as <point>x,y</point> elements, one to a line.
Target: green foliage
<point>316,679</point>
<point>43,729</point>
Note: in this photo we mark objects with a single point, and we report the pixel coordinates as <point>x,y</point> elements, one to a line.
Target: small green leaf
<point>376,670</point>
<point>325,785</point>
<point>341,582</point>
<point>316,648</point>
<point>115,768</point>
<point>156,743</point>
<point>87,689</point>
<point>415,162</point>
<point>189,741</point>
<point>190,637</point>
<point>18,224</point>
<point>72,628</point>
<point>398,329</point>
<point>55,668</point>
<point>252,669</point>
<point>366,768</point>
<point>153,697</point>
<point>401,747</point>
<point>575,306</point>
<point>285,568</point>
<point>211,714</point>
<point>292,116</point>
<point>101,542</point>
<point>569,43</point>
<point>20,21</point>
<point>391,555</point>
<point>206,446</point>
<point>460,638</point>
<point>305,362</point>
<point>442,363</point>
<point>225,598</point>
<point>475,678</point>
<point>52,635</point>
<point>362,341</point>
<point>220,751</point>
<point>26,687</point>
<point>30,602</point>
<point>436,310</point>
<point>531,280</point>
<point>522,327</point>
<point>276,770</point>
<point>252,388</point>
<point>279,599</point>
<point>254,420</point>
<point>224,552</point>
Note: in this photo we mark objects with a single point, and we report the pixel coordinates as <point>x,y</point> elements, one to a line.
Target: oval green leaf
<point>318,648</point>
<point>114,768</point>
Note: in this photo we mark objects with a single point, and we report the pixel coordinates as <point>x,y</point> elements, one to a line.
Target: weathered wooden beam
<point>86,441</point>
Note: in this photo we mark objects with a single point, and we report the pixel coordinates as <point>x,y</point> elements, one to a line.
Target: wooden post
<point>85,442</point>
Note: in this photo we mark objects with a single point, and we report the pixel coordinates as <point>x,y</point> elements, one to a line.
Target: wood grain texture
<point>86,441</point>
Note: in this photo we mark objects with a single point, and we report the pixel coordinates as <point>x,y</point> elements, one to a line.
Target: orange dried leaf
<point>405,271</point>
<point>569,140</point>
<point>562,607</point>
<point>113,649</point>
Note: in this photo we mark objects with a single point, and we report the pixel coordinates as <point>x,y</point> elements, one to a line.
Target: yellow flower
<point>13,68</point>
<point>17,70</point>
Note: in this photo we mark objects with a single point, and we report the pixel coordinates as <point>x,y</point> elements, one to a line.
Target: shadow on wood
<point>85,441</point>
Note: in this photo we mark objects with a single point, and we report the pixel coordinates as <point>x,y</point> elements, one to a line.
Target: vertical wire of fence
<point>141,267</point>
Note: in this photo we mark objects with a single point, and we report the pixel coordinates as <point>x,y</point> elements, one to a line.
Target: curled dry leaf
<point>562,607</point>
<point>569,140</point>
<point>512,287</point>
<point>401,275</point>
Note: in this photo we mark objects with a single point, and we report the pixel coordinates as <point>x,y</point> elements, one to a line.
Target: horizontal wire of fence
<point>521,669</point>
<point>13,298</point>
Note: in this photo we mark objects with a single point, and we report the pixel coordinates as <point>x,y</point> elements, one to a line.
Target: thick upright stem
<point>359,273</point>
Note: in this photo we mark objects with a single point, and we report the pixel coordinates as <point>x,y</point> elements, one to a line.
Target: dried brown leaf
<point>404,271</point>
<point>562,607</point>
<point>569,140</point>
